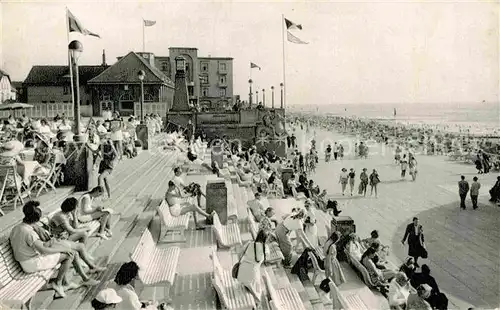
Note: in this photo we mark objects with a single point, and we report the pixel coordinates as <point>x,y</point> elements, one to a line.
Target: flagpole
<point>69,62</point>
<point>284,67</point>
<point>143,36</point>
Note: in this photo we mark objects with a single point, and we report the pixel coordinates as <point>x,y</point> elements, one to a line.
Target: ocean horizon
<point>479,115</point>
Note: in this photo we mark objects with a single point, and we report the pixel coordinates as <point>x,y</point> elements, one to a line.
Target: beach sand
<point>462,245</point>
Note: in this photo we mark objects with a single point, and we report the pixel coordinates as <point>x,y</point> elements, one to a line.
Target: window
<point>164,66</point>
<point>222,79</point>
<point>66,90</point>
<point>222,66</point>
<point>204,79</point>
<point>204,92</point>
<point>88,102</point>
<point>52,101</point>
<point>204,67</point>
<point>222,92</point>
<point>44,101</point>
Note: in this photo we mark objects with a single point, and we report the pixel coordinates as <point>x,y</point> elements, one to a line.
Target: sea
<point>475,118</point>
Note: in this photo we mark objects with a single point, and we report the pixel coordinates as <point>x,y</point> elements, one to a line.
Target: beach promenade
<point>463,246</point>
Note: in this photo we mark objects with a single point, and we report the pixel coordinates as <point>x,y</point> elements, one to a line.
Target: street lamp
<point>263,97</point>
<point>281,85</point>
<point>257,96</point>
<point>141,74</point>
<point>272,97</point>
<point>250,94</point>
<point>75,50</point>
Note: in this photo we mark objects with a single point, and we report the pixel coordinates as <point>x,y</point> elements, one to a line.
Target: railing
<point>171,126</point>
<point>43,110</point>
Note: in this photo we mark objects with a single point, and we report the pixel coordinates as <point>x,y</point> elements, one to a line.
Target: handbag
<point>236,268</point>
<point>424,253</point>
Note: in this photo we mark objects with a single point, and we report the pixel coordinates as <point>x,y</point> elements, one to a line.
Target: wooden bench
<point>156,266</point>
<point>351,302</point>
<point>227,235</point>
<point>232,294</point>
<point>17,288</point>
<point>286,298</point>
<point>232,207</point>
<point>171,223</point>
<point>273,248</point>
<point>317,271</point>
<point>360,268</point>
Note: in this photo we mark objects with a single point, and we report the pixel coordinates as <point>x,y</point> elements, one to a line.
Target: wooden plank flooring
<point>463,246</point>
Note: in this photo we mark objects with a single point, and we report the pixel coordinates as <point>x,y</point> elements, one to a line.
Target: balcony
<point>222,84</point>
<point>222,71</point>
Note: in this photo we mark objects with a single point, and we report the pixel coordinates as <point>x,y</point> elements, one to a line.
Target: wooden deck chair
<point>44,180</point>
<point>6,172</point>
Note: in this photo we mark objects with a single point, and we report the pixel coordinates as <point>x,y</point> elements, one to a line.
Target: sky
<point>358,52</point>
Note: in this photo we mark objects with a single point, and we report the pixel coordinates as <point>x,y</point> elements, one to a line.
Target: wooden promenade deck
<point>463,246</point>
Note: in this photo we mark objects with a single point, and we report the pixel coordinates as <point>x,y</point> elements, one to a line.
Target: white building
<point>6,91</point>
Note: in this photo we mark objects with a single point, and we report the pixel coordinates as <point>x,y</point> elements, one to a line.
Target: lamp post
<point>257,96</point>
<point>75,49</point>
<point>281,85</point>
<point>141,74</point>
<point>263,97</point>
<point>250,94</point>
<point>272,97</point>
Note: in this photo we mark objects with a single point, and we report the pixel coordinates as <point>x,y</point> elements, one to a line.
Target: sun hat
<point>11,148</point>
<point>108,296</point>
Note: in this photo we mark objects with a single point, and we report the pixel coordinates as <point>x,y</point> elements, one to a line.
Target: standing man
<point>463,189</point>
<point>474,192</point>
<point>335,151</point>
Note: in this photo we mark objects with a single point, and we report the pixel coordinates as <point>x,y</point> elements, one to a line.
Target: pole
<point>143,37</point>
<point>282,97</point>
<point>142,101</point>
<point>272,97</point>
<point>77,105</point>
<point>70,64</point>
<point>284,67</point>
<point>263,97</point>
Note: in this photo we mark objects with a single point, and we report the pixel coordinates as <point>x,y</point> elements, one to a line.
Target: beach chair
<point>44,181</point>
<point>8,175</point>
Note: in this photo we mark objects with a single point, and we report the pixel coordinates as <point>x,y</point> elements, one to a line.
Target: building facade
<point>209,80</point>
<point>7,92</point>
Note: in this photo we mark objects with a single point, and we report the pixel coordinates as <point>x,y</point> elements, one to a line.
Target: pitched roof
<point>59,75</point>
<point>3,73</point>
<point>125,71</point>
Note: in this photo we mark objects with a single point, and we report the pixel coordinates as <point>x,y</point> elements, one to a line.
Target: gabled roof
<point>125,72</point>
<point>3,73</point>
<point>59,75</point>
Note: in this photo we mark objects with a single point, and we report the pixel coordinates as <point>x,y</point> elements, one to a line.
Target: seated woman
<point>418,301</point>
<point>310,227</point>
<point>320,200</point>
<point>399,290</point>
<point>245,177</point>
<point>36,251</point>
<point>89,213</point>
<point>124,285</point>
<point>373,239</point>
<point>179,205</point>
<point>292,184</point>
<point>275,181</point>
<point>408,267</point>
<point>106,299</point>
<point>64,224</point>
<point>377,276</point>
<point>194,159</point>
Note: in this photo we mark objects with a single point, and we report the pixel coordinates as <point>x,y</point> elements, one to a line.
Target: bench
<point>286,298</point>
<point>360,268</point>
<point>171,223</point>
<point>316,269</point>
<point>93,225</point>
<point>227,235</point>
<point>273,248</point>
<point>351,302</point>
<point>156,266</point>
<point>232,207</point>
<point>232,294</point>
<point>243,183</point>
<point>17,288</point>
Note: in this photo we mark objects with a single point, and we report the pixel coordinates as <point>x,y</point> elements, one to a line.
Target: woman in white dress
<point>332,265</point>
<point>310,227</point>
<point>254,254</point>
<point>344,177</point>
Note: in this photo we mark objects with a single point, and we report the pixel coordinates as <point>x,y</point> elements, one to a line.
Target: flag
<point>149,23</point>
<point>292,25</point>
<point>252,65</point>
<point>294,39</point>
<point>75,25</point>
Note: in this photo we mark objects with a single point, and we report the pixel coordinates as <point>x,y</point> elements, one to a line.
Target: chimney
<point>104,58</point>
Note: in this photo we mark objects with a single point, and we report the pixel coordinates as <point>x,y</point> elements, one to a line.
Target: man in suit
<point>463,189</point>
<point>412,232</point>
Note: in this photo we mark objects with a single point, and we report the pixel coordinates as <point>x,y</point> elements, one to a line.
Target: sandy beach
<point>462,245</point>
